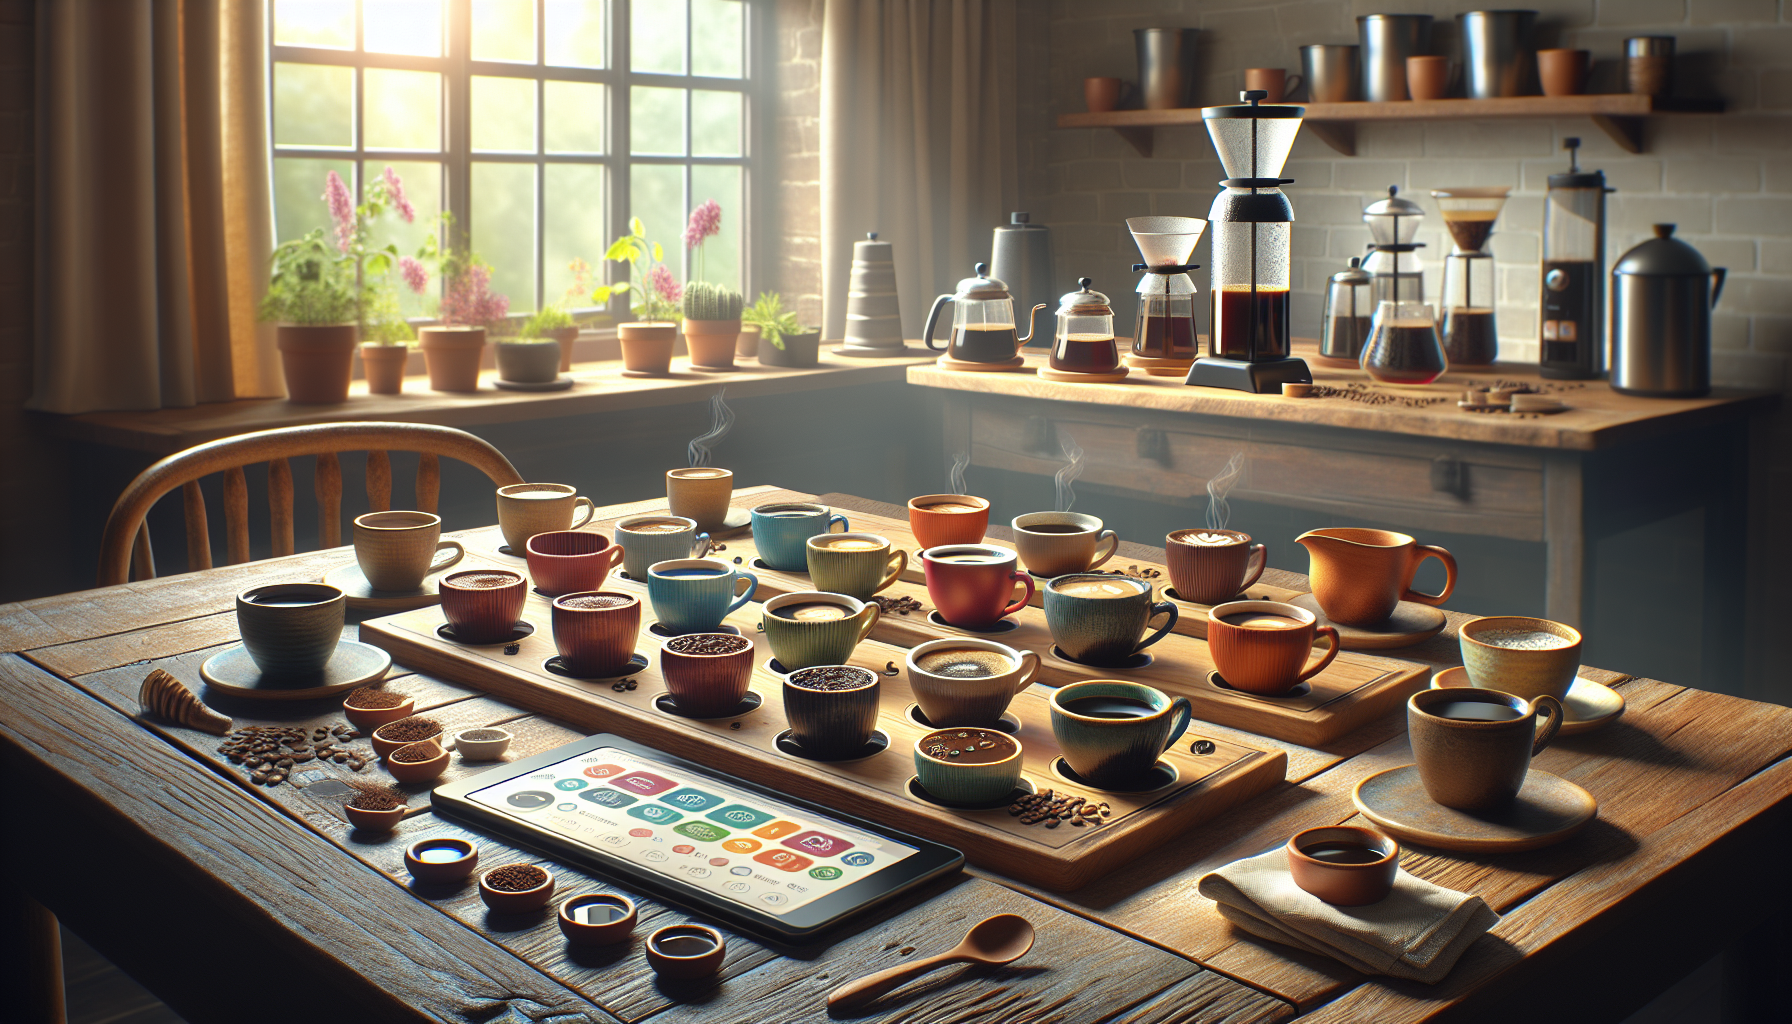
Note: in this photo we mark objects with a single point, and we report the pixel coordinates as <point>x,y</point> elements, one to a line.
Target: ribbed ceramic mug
<point>957,781</point>
<point>595,632</point>
<point>657,538</point>
<point>1116,741</point>
<point>1059,543</point>
<point>482,606</point>
<point>707,683</point>
<point>291,629</point>
<point>394,549</point>
<point>1211,566</point>
<point>565,561</point>
<point>855,564</point>
<point>1262,647</point>
<point>1517,654</point>
<point>781,531</point>
<point>972,585</point>
<point>1473,746</point>
<point>827,719</point>
<point>937,519</point>
<point>694,595</point>
<point>812,628</point>
<point>967,681</point>
<point>700,493</point>
<point>525,510</point>
<point>1102,620</point>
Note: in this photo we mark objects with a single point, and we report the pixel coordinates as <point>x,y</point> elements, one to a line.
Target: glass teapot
<point>1085,339</point>
<point>982,321</point>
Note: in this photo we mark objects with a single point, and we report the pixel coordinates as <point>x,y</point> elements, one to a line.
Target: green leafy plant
<point>773,319</point>
<point>653,284</point>
<point>311,283</point>
<point>705,301</point>
<point>547,318</point>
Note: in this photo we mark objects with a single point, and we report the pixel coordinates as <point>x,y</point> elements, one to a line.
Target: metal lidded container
<point>1498,57</point>
<point>1662,294</point>
<point>1387,40</point>
<point>1349,310</point>
<point>1167,77</point>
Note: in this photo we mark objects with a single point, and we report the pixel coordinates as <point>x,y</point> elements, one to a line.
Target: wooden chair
<point>125,544</point>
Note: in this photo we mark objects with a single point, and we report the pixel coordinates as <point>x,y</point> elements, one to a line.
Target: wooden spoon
<point>1001,939</point>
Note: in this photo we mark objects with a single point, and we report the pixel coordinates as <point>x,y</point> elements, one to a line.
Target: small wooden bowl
<point>608,933</point>
<point>1344,885</point>
<point>489,749</point>
<point>1297,389</point>
<point>418,771</point>
<point>675,964</point>
<point>441,870</point>
<point>505,901</point>
<point>384,747</point>
<point>366,719</point>
<point>374,821</point>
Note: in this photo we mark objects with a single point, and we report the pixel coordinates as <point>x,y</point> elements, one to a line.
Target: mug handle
<point>1101,560</point>
<point>870,621</point>
<point>1025,600</point>
<point>1331,654</point>
<point>459,553</point>
<point>1029,662</point>
<point>1545,702</point>
<point>1163,630</point>
<point>701,545</point>
<point>1182,709</point>
<point>845,527</point>
<point>1433,551</point>
<point>933,317</point>
<point>1290,84</point>
<point>752,588</point>
<point>590,510</point>
<point>1261,554</point>
<point>900,561</point>
<point>612,559</point>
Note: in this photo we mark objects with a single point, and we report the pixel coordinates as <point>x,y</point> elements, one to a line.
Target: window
<point>541,125</point>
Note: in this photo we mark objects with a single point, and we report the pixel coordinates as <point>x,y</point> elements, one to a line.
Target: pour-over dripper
<point>1166,241</point>
<point>1271,127</point>
<point>1469,213</point>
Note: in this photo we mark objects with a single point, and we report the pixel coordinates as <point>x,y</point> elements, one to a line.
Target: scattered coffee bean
<point>409,730</point>
<point>1202,747</point>
<point>1051,823</point>
<point>900,605</point>
<point>513,649</point>
<point>736,559</point>
<point>370,698</point>
<point>516,878</point>
<point>733,725</point>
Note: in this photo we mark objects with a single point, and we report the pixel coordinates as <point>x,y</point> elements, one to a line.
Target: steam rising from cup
<point>721,420</point>
<point>1218,512</point>
<point>959,463</point>
<point>1072,469</point>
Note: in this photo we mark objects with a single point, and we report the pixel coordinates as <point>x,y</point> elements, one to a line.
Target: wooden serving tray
<point>876,787</point>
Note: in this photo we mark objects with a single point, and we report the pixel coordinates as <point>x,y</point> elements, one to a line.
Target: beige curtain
<point>154,220</point>
<point>917,141</point>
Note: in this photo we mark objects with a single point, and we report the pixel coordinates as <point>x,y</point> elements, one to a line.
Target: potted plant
<point>451,350</point>
<point>386,340</point>
<point>711,325</point>
<point>536,355</point>
<point>313,300</point>
<point>783,340</point>
<point>647,341</point>
<point>553,321</point>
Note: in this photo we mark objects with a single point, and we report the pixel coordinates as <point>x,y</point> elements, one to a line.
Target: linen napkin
<point>1417,933</point>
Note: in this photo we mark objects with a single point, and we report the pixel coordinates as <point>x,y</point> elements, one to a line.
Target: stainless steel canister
<point>1021,256</point>
<point>1332,72</point>
<point>1662,294</point>
<point>1498,57</point>
<point>1166,67</point>
<point>1388,39</point>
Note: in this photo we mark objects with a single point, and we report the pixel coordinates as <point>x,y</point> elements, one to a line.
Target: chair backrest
<point>127,531</point>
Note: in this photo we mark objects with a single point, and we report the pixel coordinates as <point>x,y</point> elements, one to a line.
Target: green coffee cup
<point>808,628</point>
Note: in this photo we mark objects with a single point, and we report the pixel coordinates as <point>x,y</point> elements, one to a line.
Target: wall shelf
<point>1619,115</point>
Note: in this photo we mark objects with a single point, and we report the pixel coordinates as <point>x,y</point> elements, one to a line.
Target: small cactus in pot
<point>711,324</point>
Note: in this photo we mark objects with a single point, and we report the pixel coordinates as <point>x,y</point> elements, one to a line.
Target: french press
<point>1349,311</point>
<point>1393,255</point>
<point>982,321</point>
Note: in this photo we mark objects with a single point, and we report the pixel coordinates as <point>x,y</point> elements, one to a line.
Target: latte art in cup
<point>851,544</point>
<point>1208,539</point>
<point>952,506</point>
<point>1109,588</point>
<point>656,526</point>
<point>964,663</point>
<point>812,611</point>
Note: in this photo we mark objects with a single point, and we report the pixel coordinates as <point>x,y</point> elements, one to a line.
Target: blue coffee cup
<point>657,538</point>
<point>694,595</point>
<point>781,532</point>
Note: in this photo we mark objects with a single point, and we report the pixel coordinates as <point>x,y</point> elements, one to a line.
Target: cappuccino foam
<point>850,544</point>
<point>656,526</point>
<point>964,663</point>
<point>1105,588</point>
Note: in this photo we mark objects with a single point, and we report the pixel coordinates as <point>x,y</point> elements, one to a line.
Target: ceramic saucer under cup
<point>354,664</point>
<point>1587,706</point>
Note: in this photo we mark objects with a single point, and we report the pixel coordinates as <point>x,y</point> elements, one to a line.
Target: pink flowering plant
<point>706,221</point>
<point>658,291</point>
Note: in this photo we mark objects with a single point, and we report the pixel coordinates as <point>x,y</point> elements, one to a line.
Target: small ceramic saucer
<point>562,383</point>
<point>1411,623</point>
<point>1007,723</point>
<point>1064,377</point>
<point>996,628</point>
<point>1131,663</point>
<point>360,593</point>
<point>1006,366</point>
<point>877,744</point>
<point>354,664</point>
<point>748,704</point>
<point>1588,705</point>
<point>1547,810</point>
<point>1160,776</point>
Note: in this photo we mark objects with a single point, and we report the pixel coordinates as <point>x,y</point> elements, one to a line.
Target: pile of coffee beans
<point>369,699</point>
<point>414,753</point>
<point>900,605</point>
<point>516,878</point>
<point>410,730</point>
<point>624,685</point>
<point>271,752</point>
<point>1133,571</point>
<point>374,796</point>
<point>708,643</point>
<point>831,677</point>
<point>1051,810</point>
<point>1364,395</point>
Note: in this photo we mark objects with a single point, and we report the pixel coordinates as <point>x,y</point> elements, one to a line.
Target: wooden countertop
<point>598,386</point>
<point>1598,418</point>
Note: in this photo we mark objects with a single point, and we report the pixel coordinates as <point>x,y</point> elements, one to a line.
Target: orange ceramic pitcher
<point>1359,576</point>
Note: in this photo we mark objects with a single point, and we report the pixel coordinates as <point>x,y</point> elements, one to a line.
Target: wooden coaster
<point>360,594</point>
<point>559,384</point>
<point>1547,810</point>
<point>946,362</point>
<point>1047,373</point>
<point>1159,367</point>
<point>354,664</point>
<point>1411,623</point>
<point>1588,705</point>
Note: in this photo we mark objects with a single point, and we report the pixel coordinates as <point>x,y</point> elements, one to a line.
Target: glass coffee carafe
<point>1349,315</point>
<point>982,321</point>
<point>1084,342</point>
<point>1164,337</point>
<point>1403,346</point>
<point>1470,338</point>
<point>1393,255</point>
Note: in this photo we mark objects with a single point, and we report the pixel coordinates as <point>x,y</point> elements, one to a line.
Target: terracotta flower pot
<point>565,336</point>
<point>711,343</point>
<point>529,360</point>
<point>647,347</point>
<point>452,356</point>
<point>747,345</point>
<point>384,367</point>
<point>317,360</point>
<point>800,351</point>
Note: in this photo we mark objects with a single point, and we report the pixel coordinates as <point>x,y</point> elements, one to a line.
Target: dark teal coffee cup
<point>1112,732</point>
<point>1099,619</point>
<point>781,532</point>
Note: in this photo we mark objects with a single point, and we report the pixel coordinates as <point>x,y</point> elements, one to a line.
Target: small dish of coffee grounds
<point>425,750</point>
<point>516,878</point>
<point>372,796</point>
<point>372,699</point>
<point>409,730</point>
<point>832,677</point>
<point>708,643</point>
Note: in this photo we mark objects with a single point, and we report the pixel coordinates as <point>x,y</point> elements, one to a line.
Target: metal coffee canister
<point>1021,255</point>
<point>873,314</point>
<point>1166,67</point>
<point>1387,40</point>
<point>1662,294</point>
<point>1498,57</point>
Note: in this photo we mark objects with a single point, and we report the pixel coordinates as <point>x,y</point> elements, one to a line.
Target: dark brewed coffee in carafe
<point>1239,313</point>
<point>1085,353</point>
<point>983,343</point>
<point>1165,336</point>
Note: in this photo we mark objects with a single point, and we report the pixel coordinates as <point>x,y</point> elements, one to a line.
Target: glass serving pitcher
<point>982,321</point>
<point>1084,342</point>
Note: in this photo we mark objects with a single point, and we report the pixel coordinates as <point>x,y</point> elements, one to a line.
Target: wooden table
<point>238,902</point>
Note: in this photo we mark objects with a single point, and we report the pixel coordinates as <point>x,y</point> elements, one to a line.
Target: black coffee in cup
<point>1109,707</point>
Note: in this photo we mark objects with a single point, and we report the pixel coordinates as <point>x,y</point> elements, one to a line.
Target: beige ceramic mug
<point>967,681</point>
<point>701,493</point>
<point>1053,544</point>
<point>525,510</point>
<point>394,549</point>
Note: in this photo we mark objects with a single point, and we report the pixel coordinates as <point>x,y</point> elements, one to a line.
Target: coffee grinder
<point>1164,339</point>
<point>1248,345</point>
<point>1393,255</point>
<point>1573,308</point>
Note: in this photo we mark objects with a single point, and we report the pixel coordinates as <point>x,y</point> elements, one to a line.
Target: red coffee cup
<point>568,561</point>
<point>972,585</point>
<point>595,632</point>
<point>707,673</point>
<point>483,605</point>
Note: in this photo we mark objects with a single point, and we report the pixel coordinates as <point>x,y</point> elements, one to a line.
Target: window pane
<point>299,195</point>
<point>715,123</point>
<point>716,29</point>
<point>574,229</point>
<point>656,121</point>
<point>503,114</point>
<point>402,26</point>
<point>719,260</point>
<point>574,120</point>
<point>504,30</point>
<point>315,23</point>
<point>656,195</point>
<point>403,109</point>
<point>503,228</point>
<point>422,184</point>
<point>314,105</point>
<point>656,36</point>
<point>575,33</point>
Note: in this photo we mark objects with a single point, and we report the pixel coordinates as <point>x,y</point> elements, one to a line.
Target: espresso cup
<point>482,606</point>
<point>783,528</point>
<point>1261,647</point>
<point>701,494</point>
<point>1344,865</point>
<point>968,681</point>
<point>525,510</point>
<point>808,627</point>
<point>1059,543</point>
<point>657,538</point>
<point>694,595</point>
<point>1112,732</point>
<point>394,549</point>
<point>595,632</point>
<point>829,716</point>
<point>291,629</point>
<point>979,775</point>
<point>972,585</point>
<point>1102,620</point>
<point>1520,655</point>
<point>937,519</point>
<point>564,561</point>
<point>855,564</point>
<point>1211,566</point>
<point>1473,747</point>
<point>707,673</point>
